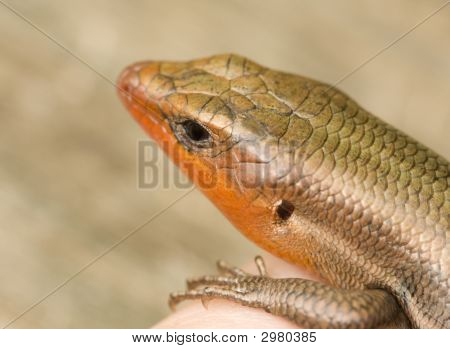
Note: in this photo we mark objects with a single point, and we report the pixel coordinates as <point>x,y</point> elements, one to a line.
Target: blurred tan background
<point>68,149</point>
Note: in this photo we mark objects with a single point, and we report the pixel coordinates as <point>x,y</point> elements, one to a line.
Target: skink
<point>310,176</point>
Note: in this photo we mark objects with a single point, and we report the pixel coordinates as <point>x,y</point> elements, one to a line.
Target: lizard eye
<point>193,135</point>
<point>195,131</point>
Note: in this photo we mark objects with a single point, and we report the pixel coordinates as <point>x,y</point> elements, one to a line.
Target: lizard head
<point>217,119</point>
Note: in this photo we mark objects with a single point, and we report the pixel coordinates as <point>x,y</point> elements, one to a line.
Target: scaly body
<point>309,175</point>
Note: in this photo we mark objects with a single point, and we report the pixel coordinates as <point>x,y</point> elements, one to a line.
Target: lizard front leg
<point>309,304</point>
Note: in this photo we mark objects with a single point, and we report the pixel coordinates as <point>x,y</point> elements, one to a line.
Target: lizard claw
<point>231,283</point>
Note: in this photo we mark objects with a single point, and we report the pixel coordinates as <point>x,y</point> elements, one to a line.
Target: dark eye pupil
<point>195,131</point>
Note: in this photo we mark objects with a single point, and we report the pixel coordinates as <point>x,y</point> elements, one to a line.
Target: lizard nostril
<point>127,82</point>
<point>285,209</point>
<point>129,79</point>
